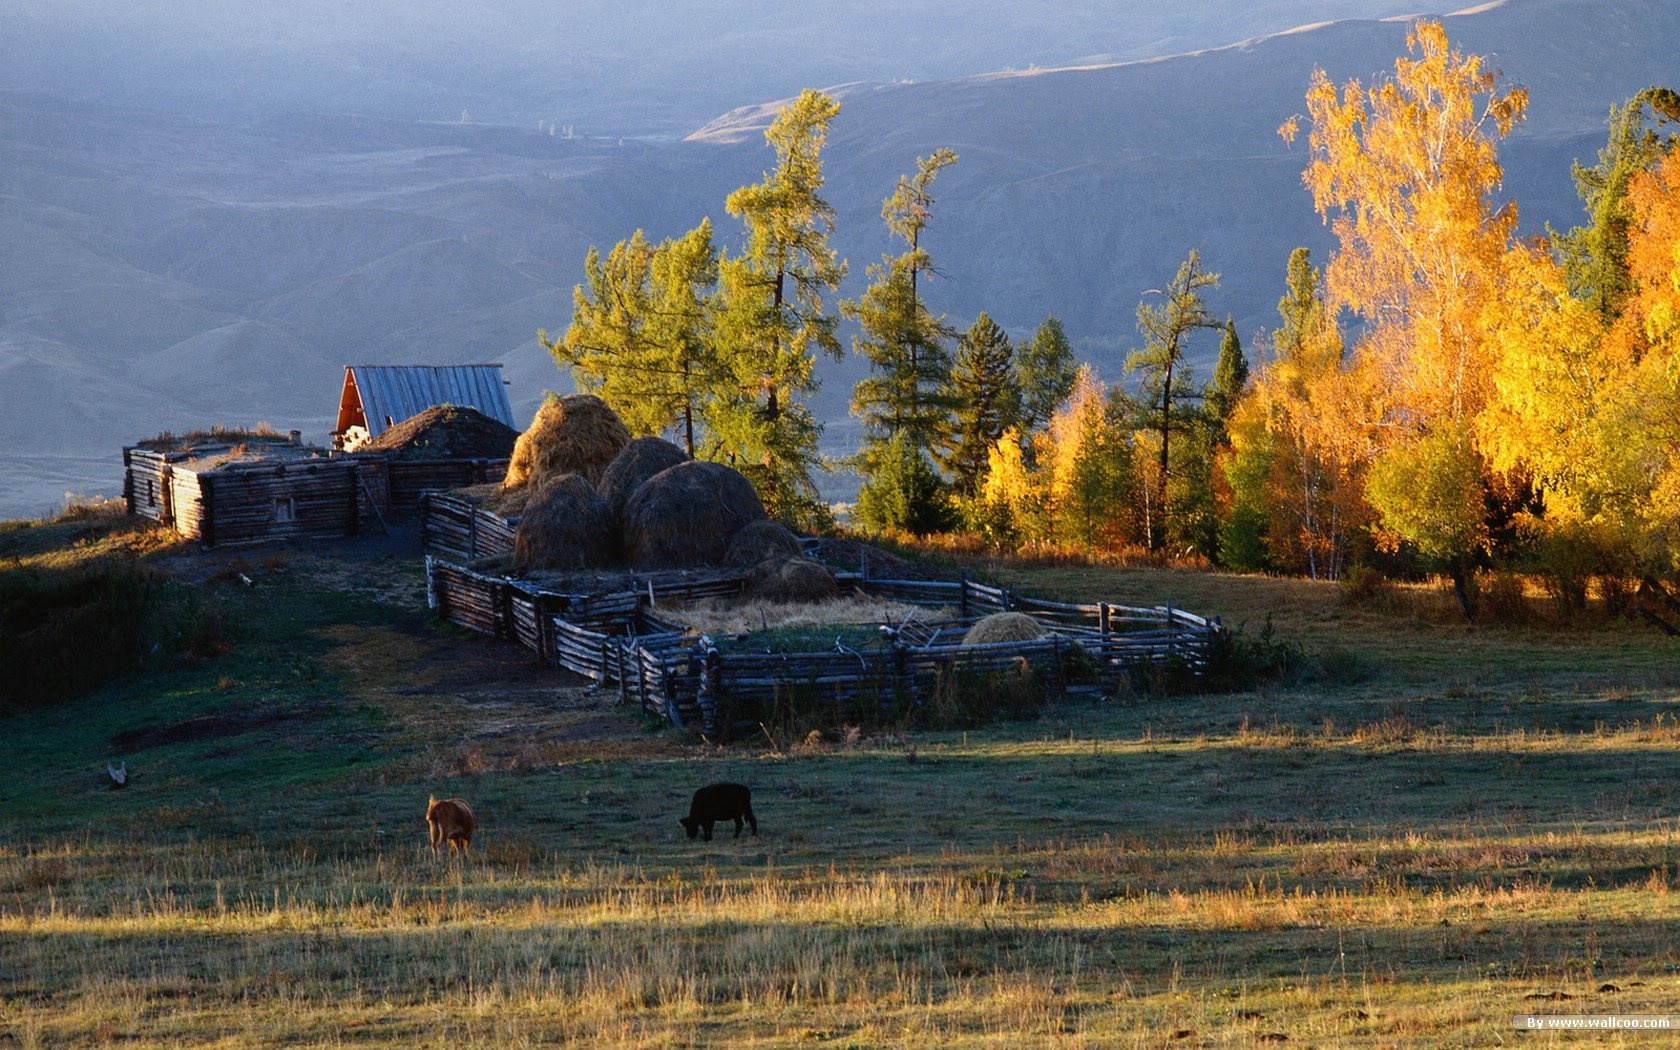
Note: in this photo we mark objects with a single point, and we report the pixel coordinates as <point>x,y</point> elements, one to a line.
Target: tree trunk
<point>1464,584</point>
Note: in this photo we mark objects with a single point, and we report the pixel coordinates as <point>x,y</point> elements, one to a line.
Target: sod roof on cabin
<point>446,432</point>
<point>226,447</point>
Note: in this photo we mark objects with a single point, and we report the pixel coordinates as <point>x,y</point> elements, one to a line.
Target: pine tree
<point>772,322</point>
<point>903,493</point>
<point>683,279</point>
<point>1089,462</point>
<point>1047,371</point>
<point>902,401</point>
<point>985,401</point>
<point>608,347</point>
<point>1595,255</point>
<point>640,332</point>
<point>1166,379</point>
<point>1230,375</point>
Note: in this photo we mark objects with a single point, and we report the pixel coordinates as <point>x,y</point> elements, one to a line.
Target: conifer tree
<point>1290,466</point>
<point>683,278</point>
<point>1230,374</point>
<point>1089,462</point>
<point>1047,371</point>
<point>902,402</point>
<point>1595,255</point>
<point>773,321</point>
<point>608,347</point>
<point>1166,379</point>
<point>985,402</point>
<point>640,337</point>
<point>903,493</point>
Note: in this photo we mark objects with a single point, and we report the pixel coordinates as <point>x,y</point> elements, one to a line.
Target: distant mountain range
<point>164,271</point>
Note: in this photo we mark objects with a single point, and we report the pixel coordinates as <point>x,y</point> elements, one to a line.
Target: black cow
<point>717,802</point>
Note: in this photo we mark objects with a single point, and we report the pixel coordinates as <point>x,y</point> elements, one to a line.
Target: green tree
<point>903,493</point>
<point>1290,464</point>
<point>1166,379</point>
<point>902,401</point>
<point>683,279</point>
<point>772,322</point>
<point>1047,372</point>
<point>984,399</point>
<point>1430,494</point>
<point>608,347</point>
<point>1595,256</point>
<point>1230,374</point>
<point>639,336</point>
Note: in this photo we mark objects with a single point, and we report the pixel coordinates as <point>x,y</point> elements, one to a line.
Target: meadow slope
<point>1428,828</point>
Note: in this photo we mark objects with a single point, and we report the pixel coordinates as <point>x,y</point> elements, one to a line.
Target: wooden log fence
<point>618,638</point>
<point>458,528</point>
<point>410,480</point>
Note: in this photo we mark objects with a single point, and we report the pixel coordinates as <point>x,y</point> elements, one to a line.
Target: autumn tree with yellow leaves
<point>1405,172</point>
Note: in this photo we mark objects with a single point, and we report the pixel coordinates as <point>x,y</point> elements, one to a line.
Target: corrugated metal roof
<point>389,394</point>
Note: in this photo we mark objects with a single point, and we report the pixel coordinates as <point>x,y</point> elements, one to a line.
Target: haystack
<point>639,461</point>
<point>565,526</point>
<point>686,515</point>
<point>1004,627</point>
<point>575,434</point>
<point>791,580</point>
<point>762,541</point>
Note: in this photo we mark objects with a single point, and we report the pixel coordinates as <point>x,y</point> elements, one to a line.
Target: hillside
<point>600,67</point>
<point>1422,830</point>
<point>162,271</point>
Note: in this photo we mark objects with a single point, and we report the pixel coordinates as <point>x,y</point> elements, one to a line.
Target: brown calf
<point>451,819</point>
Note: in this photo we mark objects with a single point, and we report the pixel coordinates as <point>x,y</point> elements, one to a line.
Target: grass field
<point>1428,829</point>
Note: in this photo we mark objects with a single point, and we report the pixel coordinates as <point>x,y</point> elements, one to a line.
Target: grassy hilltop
<point>1422,829</point>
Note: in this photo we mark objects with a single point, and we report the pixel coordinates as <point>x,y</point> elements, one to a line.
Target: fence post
<point>962,595</point>
<point>431,587</point>
<point>1104,617</point>
<point>901,672</point>
<point>707,695</point>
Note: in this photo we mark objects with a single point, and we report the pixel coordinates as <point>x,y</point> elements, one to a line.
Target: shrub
<point>1504,598</point>
<point>1238,661</point>
<point>1362,585</point>
<point>965,699</point>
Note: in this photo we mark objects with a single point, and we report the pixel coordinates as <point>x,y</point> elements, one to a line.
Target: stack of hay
<point>778,570</point>
<point>1004,627</point>
<point>563,522</point>
<point>587,495</point>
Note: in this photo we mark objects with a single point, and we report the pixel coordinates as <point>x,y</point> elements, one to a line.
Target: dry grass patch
<point>716,616</point>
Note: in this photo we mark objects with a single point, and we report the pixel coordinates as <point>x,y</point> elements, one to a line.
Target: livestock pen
<point>628,638</point>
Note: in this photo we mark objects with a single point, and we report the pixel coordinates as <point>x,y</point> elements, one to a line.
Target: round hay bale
<point>565,526</point>
<point>686,515</point>
<point>640,460</point>
<point>1004,627</point>
<point>762,541</point>
<point>791,580</point>
<point>575,434</point>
